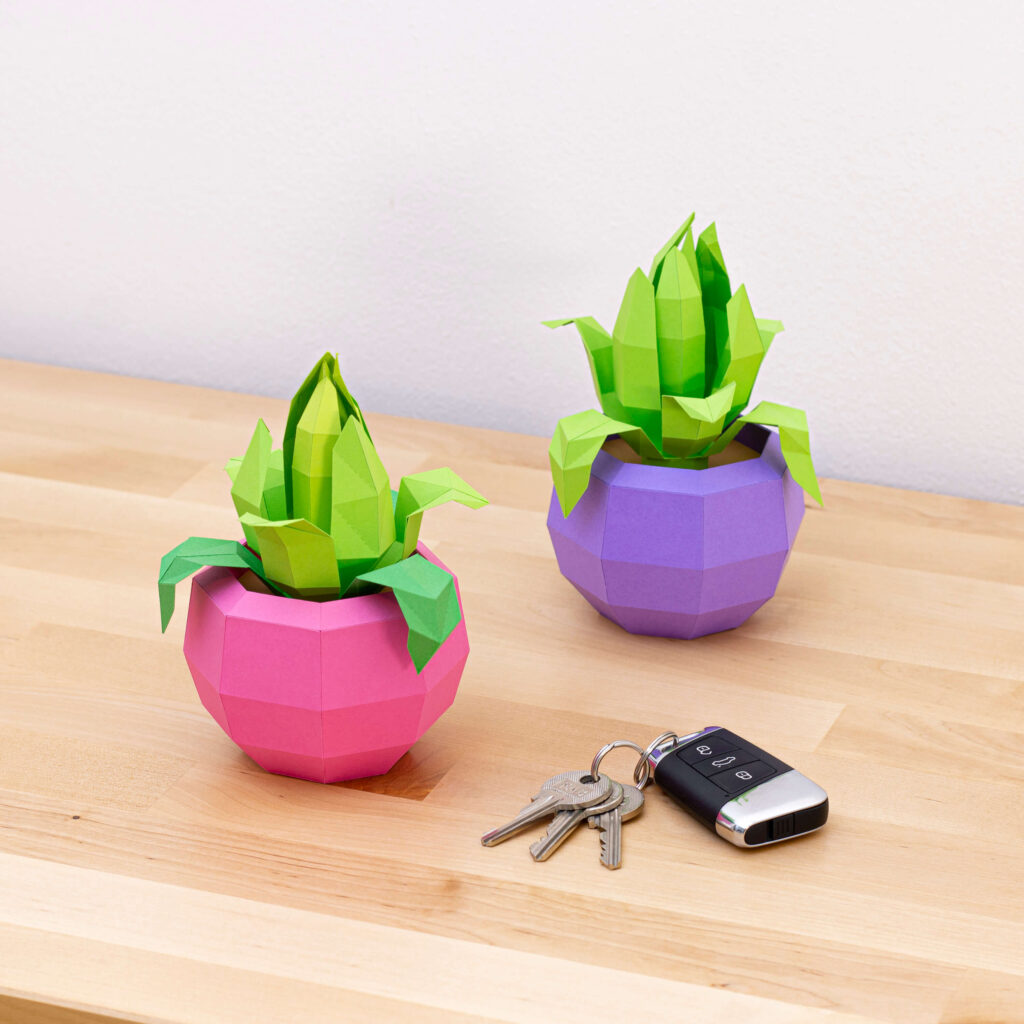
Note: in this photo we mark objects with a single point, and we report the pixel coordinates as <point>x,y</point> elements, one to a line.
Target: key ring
<point>643,766</point>
<point>642,772</point>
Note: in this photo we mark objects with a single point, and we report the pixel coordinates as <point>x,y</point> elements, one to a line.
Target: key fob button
<point>712,746</point>
<point>740,777</point>
<point>711,766</point>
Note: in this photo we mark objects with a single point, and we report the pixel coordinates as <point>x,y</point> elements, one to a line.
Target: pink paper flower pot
<point>320,691</point>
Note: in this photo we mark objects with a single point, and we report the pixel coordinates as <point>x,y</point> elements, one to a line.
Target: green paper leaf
<point>194,554</point>
<point>577,440</point>
<point>635,357</point>
<point>690,424</point>
<point>680,320</point>
<point>635,346</point>
<point>316,434</point>
<point>421,491</point>
<point>326,369</point>
<point>298,557</point>
<point>672,243</point>
<point>745,350</point>
<point>275,501</point>
<point>250,478</point>
<point>362,511</point>
<point>794,439</point>
<point>768,329</point>
<point>598,344</point>
<point>427,597</point>
<point>715,293</point>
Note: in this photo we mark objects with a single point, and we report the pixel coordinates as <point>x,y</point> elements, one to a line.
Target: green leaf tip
<point>194,554</point>
<point>326,370</point>
<point>428,600</point>
<point>578,439</point>
<point>671,244</point>
<point>794,440</point>
<point>422,491</point>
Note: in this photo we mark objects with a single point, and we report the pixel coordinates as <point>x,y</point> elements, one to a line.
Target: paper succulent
<point>321,521</point>
<point>676,373</point>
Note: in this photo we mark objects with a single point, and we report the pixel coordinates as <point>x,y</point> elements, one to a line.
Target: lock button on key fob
<point>739,790</point>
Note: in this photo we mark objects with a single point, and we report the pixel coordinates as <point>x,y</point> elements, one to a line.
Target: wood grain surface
<point>150,872</point>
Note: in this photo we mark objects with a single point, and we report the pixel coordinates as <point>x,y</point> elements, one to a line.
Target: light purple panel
<point>794,498</point>
<point>683,552</point>
<point>744,523</point>
<point>578,539</point>
<point>321,691</point>
<point>755,578</point>
<point>657,587</point>
<point>654,527</point>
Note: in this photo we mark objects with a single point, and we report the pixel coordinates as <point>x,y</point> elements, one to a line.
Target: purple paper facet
<point>681,552</point>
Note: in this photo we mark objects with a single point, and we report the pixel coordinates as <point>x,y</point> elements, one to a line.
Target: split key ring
<point>642,771</point>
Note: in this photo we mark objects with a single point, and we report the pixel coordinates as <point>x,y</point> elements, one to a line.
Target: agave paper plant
<point>676,373</point>
<point>321,521</point>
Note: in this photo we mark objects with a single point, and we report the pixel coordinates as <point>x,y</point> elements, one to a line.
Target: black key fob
<point>738,790</point>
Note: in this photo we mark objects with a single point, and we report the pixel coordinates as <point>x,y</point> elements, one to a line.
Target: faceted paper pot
<point>681,552</point>
<point>321,691</point>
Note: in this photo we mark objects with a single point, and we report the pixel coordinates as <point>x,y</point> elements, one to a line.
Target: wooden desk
<point>149,871</point>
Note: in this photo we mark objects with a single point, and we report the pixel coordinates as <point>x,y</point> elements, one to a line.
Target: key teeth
<point>537,848</point>
<point>607,853</point>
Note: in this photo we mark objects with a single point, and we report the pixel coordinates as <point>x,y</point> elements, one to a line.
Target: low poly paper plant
<point>676,373</point>
<point>321,521</point>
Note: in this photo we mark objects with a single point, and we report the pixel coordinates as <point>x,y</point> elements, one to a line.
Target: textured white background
<point>216,192</point>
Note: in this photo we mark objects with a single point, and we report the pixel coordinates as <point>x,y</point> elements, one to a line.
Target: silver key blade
<point>610,824</point>
<point>564,792</point>
<point>567,822</point>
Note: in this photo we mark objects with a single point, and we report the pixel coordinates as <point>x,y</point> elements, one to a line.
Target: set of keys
<point>574,798</point>
<point>739,791</point>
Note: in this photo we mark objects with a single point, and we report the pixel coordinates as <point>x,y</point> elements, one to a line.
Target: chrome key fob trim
<point>786,806</point>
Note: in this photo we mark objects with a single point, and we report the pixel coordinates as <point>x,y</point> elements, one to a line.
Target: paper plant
<point>321,521</point>
<point>676,373</point>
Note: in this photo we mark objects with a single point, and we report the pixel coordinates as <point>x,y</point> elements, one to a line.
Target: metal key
<point>564,792</point>
<point>566,822</point>
<point>610,824</point>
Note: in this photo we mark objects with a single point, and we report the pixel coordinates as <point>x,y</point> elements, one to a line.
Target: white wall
<point>216,192</point>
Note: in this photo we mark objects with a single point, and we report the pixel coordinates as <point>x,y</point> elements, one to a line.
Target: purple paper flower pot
<point>676,552</point>
<point>321,691</point>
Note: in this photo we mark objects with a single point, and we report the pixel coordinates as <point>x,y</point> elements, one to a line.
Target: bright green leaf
<point>598,344</point>
<point>197,553</point>
<point>326,369</point>
<point>715,292</point>
<point>672,243</point>
<point>429,602</point>
<point>577,440</point>
<point>690,424</point>
<point>362,512</point>
<point>680,320</point>
<point>635,356</point>
<point>794,439</point>
<point>316,434</point>
<point>421,491</point>
<point>745,350</point>
<point>298,557</point>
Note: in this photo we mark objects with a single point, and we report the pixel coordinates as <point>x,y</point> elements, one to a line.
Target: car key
<point>737,789</point>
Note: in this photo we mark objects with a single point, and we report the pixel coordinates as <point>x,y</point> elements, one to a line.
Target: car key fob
<point>738,790</point>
